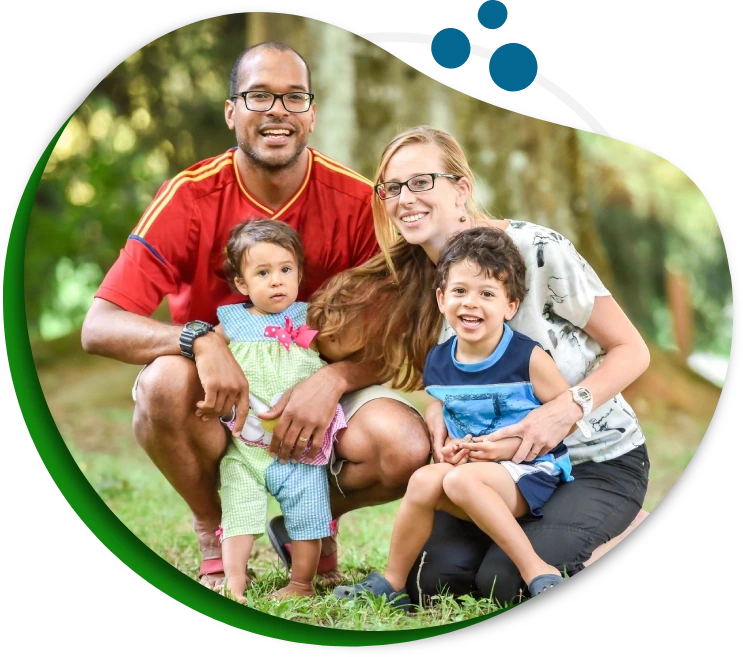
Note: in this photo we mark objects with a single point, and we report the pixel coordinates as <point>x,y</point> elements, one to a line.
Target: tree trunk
<point>679,303</point>
<point>334,83</point>
<point>288,29</point>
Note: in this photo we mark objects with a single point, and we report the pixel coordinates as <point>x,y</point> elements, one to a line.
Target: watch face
<point>585,394</point>
<point>196,326</point>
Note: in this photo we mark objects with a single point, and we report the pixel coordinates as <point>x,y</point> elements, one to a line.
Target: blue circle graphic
<point>513,67</point>
<point>492,14</point>
<point>450,48</point>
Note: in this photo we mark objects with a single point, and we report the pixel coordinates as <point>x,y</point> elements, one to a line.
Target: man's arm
<point>116,333</point>
<point>113,332</point>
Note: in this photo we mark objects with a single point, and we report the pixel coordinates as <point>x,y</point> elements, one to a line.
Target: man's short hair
<point>273,45</point>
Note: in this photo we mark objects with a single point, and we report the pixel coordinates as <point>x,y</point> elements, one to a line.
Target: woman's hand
<point>543,428</point>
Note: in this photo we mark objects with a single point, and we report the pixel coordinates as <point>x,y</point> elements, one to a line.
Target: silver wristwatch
<point>583,397</point>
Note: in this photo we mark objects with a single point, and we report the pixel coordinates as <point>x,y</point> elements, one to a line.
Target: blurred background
<point>640,222</point>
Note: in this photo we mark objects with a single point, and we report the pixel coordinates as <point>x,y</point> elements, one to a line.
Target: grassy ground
<point>91,403</point>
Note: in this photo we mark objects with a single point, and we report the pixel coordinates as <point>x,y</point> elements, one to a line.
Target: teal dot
<point>492,14</point>
<point>450,48</point>
<point>513,67</point>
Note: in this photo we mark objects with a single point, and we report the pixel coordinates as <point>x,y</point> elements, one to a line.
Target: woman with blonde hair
<point>386,311</point>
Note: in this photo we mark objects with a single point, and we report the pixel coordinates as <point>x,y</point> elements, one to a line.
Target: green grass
<point>144,501</point>
<point>91,404</point>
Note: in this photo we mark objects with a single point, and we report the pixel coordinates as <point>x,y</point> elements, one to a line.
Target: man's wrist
<point>335,379</point>
<point>205,342</point>
<point>190,333</point>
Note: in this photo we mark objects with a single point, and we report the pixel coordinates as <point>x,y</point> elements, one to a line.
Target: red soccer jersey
<point>177,248</point>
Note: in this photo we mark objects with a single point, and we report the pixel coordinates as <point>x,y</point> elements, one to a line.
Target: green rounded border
<point>91,508</point>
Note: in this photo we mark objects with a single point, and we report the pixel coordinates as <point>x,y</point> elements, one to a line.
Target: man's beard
<point>273,164</point>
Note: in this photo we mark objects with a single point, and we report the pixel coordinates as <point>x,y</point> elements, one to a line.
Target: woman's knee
<point>432,575</point>
<point>498,578</point>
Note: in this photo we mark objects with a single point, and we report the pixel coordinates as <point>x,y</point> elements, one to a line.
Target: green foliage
<point>652,219</point>
<point>155,114</point>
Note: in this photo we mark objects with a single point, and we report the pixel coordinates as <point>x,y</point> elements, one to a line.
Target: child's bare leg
<point>414,520</point>
<point>488,494</point>
<point>305,556</point>
<point>235,554</point>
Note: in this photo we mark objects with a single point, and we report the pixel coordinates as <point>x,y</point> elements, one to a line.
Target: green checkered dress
<point>271,369</point>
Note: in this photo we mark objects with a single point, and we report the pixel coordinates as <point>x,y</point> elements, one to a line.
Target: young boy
<point>486,377</point>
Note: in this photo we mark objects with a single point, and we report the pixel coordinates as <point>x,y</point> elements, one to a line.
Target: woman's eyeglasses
<point>420,183</point>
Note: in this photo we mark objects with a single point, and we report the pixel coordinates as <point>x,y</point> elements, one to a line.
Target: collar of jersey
<point>490,360</point>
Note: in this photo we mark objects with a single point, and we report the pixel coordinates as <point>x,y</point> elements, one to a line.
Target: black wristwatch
<point>190,332</point>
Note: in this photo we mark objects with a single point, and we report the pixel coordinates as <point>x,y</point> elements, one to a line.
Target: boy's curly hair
<point>492,252</point>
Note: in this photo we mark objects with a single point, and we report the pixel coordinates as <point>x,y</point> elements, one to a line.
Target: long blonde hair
<point>389,302</point>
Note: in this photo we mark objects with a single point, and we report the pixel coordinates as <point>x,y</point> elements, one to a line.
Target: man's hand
<point>223,381</point>
<point>305,412</point>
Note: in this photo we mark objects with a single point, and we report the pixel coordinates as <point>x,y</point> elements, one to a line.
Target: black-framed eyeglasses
<point>263,101</point>
<point>420,183</point>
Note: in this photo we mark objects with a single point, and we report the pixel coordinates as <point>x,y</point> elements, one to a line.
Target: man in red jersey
<point>191,379</point>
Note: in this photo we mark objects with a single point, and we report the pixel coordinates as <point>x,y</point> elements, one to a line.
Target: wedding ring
<point>302,440</point>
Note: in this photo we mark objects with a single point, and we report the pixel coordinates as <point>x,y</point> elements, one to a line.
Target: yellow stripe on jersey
<point>337,166</point>
<point>243,189</point>
<point>185,176</point>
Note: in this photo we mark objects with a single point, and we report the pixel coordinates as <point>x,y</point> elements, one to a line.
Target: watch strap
<point>584,428</point>
<point>188,337</point>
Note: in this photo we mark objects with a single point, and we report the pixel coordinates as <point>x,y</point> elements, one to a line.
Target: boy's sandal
<point>376,585</point>
<point>543,583</point>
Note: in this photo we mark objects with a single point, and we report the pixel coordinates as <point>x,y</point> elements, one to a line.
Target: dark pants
<point>599,505</point>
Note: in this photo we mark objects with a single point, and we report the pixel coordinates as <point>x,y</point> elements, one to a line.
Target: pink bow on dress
<point>301,336</point>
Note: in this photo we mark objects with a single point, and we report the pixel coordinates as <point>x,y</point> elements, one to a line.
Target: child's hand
<point>482,449</point>
<point>456,451</point>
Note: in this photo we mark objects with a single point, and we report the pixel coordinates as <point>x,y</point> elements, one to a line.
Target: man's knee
<point>403,442</point>
<point>165,393</point>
